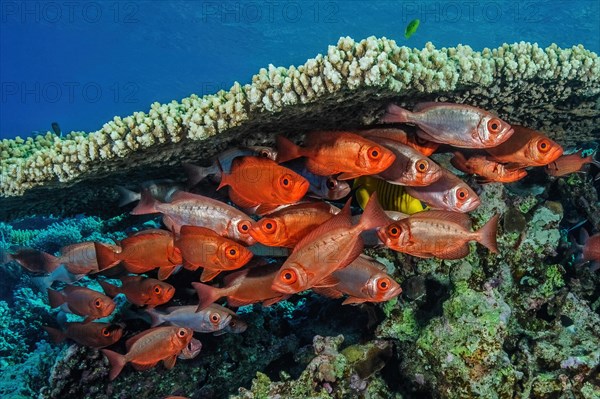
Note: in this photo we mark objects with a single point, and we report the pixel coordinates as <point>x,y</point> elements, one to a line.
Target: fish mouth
<point>553,155</point>
<point>110,308</point>
<point>505,135</point>
<point>469,205</point>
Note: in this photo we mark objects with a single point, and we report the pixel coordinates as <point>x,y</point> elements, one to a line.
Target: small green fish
<point>411,28</point>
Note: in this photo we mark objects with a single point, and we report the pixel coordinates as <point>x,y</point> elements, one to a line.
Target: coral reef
<point>552,89</point>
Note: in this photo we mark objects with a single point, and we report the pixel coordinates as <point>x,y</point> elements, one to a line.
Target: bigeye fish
<point>223,163</point>
<point>590,249</point>
<point>202,247</point>
<point>94,335</point>
<point>148,348</point>
<point>287,226</point>
<point>526,147</point>
<point>213,318</point>
<point>440,234</point>
<point>411,28</point>
<point>142,252</point>
<point>331,246</point>
<point>459,125</point>
<point>162,190</point>
<point>325,187</point>
<point>410,168</point>
<point>571,163</point>
<point>197,210</point>
<point>412,140</point>
<point>330,153</point>
<point>190,351</point>
<point>242,288</point>
<point>449,193</point>
<point>235,326</point>
<point>262,183</point>
<point>392,197</point>
<point>141,291</point>
<point>81,301</point>
<point>487,171</point>
<point>363,280</point>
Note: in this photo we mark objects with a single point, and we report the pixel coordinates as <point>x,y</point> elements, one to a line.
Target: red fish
<point>459,125</point>
<point>201,247</point>
<point>331,246</point>
<point>363,280</point>
<point>571,163</point>
<point>244,287</point>
<point>142,252</point>
<point>286,227</point>
<point>488,171</point>
<point>330,153</point>
<point>526,147</point>
<point>590,249</point>
<point>262,183</point>
<point>141,291</point>
<point>442,234</point>
<point>82,301</point>
<point>448,193</point>
<point>148,348</point>
<point>94,335</point>
<point>412,140</point>
<point>197,210</point>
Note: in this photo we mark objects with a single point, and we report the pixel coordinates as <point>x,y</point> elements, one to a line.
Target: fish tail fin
<point>395,114</point>
<point>373,216</point>
<point>225,177</point>
<point>126,196</point>
<point>57,336</point>
<point>146,205</point>
<point>32,259</point>
<point>195,174</point>
<point>105,256</point>
<point>287,150</point>
<point>487,234</point>
<point>56,298</point>
<point>117,362</point>
<point>206,295</point>
<point>109,289</point>
<point>155,316</point>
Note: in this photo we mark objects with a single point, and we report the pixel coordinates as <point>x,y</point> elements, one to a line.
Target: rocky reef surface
<point>522,323</point>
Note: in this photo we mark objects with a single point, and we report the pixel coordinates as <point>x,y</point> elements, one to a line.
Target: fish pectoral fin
<point>328,292</point>
<point>236,303</point>
<point>353,301</point>
<point>265,209</point>
<point>142,367</point>
<point>268,302</point>
<point>165,271</point>
<point>457,252</point>
<point>327,282</point>
<point>189,266</point>
<point>169,362</point>
<point>209,274</point>
<point>239,200</point>
<point>349,175</point>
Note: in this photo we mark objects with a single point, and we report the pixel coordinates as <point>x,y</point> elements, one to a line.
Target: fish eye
<point>288,276</point>
<point>422,165</point>
<point>384,284</point>
<point>374,153</point>
<point>98,303</point>
<point>215,318</point>
<point>105,332</point>
<point>543,146</point>
<point>331,183</point>
<point>231,252</point>
<point>181,332</point>
<point>269,226</point>
<point>286,180</point>
<point>244,226</point>
<point>394,231</point>
<point>157,289</point>
<point>494,125</point>
<point>461,194</point>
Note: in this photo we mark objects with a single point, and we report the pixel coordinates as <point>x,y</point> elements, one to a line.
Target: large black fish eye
<point>331,184</point>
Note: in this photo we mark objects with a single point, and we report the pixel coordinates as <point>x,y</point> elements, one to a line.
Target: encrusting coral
<point>553,89</point>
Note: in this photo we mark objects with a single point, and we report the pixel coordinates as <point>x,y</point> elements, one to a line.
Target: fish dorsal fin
<point>209,274</point>
<point>131,341</point>
<point>169,362</point>
<point>462,219</point>
<point>370,262</point>
<point>428,104</point>
<point>397,135</point>
<point>185,196</point>
<point>188,230</point>
<point>69,289</point>
<point>265,209</point>
<point>143,367</point>
<point>342,219</point>
<point>328,292</point>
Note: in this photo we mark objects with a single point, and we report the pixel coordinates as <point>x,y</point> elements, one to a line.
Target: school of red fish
<point>282,234</point>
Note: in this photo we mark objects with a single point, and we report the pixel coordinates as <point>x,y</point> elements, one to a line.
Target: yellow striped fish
<point>392,197</point>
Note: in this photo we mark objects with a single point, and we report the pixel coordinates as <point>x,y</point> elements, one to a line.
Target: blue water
<point>80,63</point>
